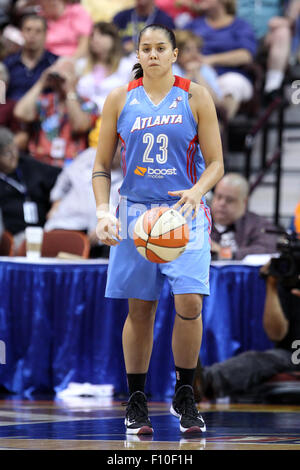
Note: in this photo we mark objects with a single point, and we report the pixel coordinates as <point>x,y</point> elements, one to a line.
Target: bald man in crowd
<point>237,232</point>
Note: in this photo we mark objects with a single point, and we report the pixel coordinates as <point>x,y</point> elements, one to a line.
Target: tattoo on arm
<point>104,174</point>
<point>190,95</point>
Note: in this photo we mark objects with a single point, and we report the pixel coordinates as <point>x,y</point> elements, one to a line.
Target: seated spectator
<point>229,44</point>
<point>26,67</point>
<point>72,197</point>
<point>181,11</point>
<point>131,21</point>
<point>237,232</point>
<point>190,63</point>
<point>104,68</point>
<point>106,9</point>
<point>25,186</point>
<point>241,373</point>
<point>69,27</point>
<point>61,118</point>
<point>273,24</point>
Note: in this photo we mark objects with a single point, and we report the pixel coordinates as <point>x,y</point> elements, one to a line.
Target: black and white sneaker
<point>137,420</point>
<point>184,407</point>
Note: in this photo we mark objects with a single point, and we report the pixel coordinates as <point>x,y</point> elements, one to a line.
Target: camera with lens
<point>286,267</point>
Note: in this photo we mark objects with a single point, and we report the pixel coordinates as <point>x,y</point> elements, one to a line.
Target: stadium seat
<point>62,241</point>
<point>6,244</point>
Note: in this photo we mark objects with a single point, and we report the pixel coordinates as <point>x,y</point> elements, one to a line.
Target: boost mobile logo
<point>140,170</point>
<point>154,172</point>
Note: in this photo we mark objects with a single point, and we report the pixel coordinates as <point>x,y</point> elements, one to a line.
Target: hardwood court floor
<point>98,424</point>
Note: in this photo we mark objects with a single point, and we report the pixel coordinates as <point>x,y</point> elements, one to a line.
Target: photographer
<point>239,374</point>
<point>61,119</point>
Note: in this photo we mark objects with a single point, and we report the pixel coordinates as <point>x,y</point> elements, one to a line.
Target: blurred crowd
<point>59,59</point>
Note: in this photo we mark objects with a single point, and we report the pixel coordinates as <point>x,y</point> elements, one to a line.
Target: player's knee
<point>191,312</point>
<point>190,308</point>
<point>189,317</point>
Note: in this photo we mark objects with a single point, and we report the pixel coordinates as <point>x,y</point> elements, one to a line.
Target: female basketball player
<point>168,128</point>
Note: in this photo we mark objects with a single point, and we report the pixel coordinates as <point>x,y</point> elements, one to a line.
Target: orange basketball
<point>161,234</point>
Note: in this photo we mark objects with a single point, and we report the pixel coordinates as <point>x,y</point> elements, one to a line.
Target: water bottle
<point>227,244</point>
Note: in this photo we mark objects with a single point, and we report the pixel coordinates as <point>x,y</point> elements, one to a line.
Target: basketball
<point>161,234</point>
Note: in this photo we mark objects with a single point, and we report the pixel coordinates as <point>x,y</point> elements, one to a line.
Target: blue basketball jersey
<point>160,149</point>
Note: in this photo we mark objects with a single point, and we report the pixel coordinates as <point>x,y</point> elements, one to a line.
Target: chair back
<point>66,241</point>
<point>6,244</point>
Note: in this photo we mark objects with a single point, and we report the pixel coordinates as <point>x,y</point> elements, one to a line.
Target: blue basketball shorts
<point>130,275</point>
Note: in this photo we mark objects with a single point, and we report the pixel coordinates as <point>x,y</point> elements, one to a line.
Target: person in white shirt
<point>104,68</point>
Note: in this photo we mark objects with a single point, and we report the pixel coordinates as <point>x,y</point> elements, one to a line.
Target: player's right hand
<point>108,231</point>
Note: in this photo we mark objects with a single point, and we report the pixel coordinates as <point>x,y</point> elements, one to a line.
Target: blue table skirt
<point>58,327</point>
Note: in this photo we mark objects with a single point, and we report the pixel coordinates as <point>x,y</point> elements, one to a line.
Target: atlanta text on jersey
<point>146,122</point>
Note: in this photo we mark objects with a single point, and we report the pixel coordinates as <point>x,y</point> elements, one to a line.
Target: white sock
<point>274,80</point>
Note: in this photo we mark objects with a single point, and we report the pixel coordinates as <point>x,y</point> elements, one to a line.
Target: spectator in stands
<point>190,63</point>
<point>69,27</point>
<point>25,186</point>
<point>273,24</point>
<point>229,44</point>
<point>131,21</point>
<point>62,119</point>
<point>73,202</point>
<point>237,232</point>
<point>181,11</point>
<point>106,9</point>
<point>26,67</point>
<point>241,373</point>
<point>104,68</point>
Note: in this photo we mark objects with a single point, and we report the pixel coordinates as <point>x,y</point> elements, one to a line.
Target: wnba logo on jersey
<point>175,102</point>
<point>155,172</point>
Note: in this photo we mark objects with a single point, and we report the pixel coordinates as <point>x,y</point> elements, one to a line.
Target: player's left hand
<point>188,203</point>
